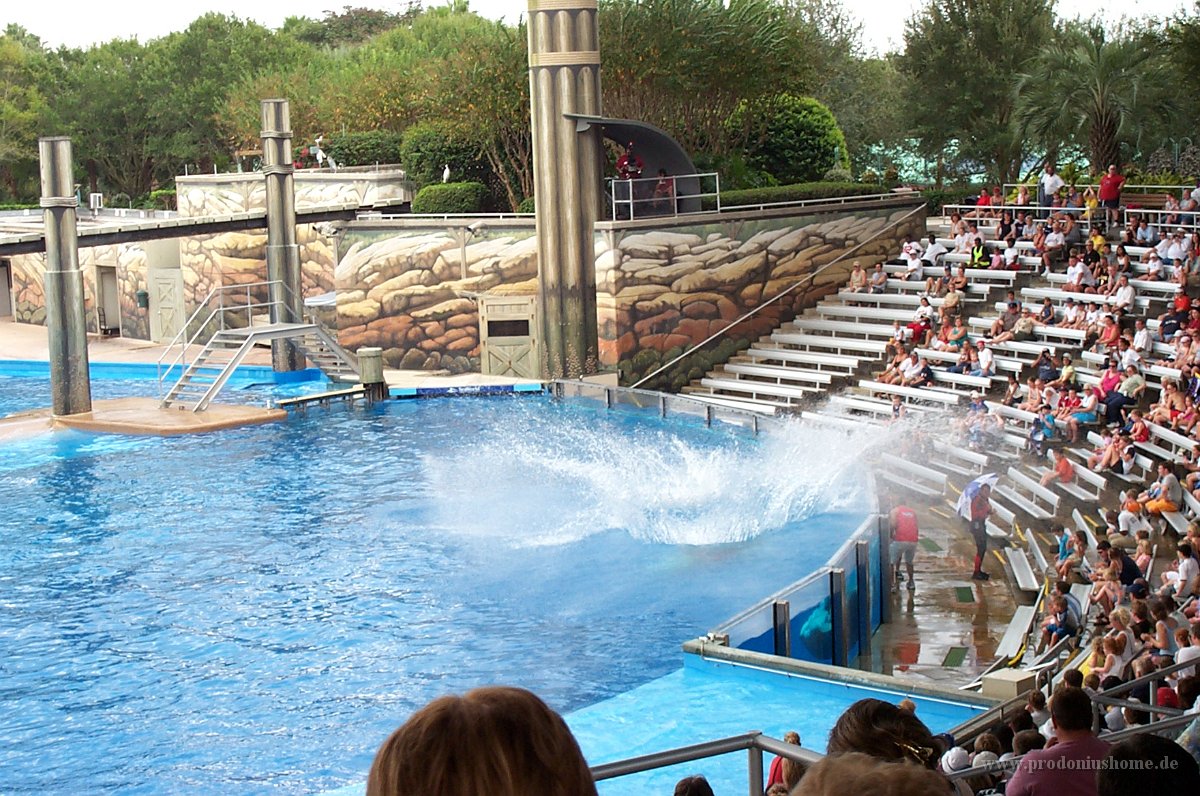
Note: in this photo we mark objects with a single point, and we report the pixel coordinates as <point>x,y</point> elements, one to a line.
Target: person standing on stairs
<point>904,542</point>
<point>981,508</point>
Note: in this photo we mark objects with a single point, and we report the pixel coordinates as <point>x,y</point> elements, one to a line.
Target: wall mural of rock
<point>129,260</point>
<point>400,285</point>
<point>661,291</point>
<point>406,290</point>
<point>210,261</point>
<point>234,259</point>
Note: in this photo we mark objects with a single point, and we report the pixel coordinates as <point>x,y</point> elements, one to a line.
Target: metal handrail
<point>1126,187</point>
<point>629,199</point>
<point>832,200</point>
<point>186,341</point>
<point>800,283</point>
<point>753,742</point>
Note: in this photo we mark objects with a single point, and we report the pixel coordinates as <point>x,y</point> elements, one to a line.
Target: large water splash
<point>564,480</point>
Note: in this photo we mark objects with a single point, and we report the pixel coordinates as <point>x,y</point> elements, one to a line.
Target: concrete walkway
<point>945,631</point>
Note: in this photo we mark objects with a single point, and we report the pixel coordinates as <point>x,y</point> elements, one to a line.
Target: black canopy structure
<point>657,149</point>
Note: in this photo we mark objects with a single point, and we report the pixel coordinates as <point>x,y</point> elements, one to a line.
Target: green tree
<point>351,25</point>
<point>960,59</point>
<point>799,138</point>
<point>198,66</point>
<point>1095,91</point>
<point>22,109</point>
<point>685,65</point>
<point>430,145</point>
<point>105,103</point>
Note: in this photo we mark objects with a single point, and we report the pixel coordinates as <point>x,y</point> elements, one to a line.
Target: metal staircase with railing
<point>204,376</point>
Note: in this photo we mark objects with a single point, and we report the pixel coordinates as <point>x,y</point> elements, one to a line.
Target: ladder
<point>203,379</point>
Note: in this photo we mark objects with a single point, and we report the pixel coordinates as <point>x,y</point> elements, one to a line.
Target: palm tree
<point>1093,91</point>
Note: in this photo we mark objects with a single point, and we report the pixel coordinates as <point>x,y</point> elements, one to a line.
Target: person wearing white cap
<point>913,265</point>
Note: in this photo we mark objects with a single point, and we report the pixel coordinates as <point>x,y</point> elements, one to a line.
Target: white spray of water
<point>562,482</point>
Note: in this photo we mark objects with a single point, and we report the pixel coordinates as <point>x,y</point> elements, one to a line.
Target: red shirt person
<point>904,541</point>
<point>1110,191</point>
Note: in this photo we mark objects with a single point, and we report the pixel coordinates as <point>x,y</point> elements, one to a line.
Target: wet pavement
<point>945,631</point>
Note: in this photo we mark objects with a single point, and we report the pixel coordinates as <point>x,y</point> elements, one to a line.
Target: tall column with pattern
<point>283,256</point>
<point>564,77</point>
<point>70,385</point>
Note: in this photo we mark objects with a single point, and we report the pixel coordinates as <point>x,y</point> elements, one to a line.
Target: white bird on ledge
<point>446,173</point>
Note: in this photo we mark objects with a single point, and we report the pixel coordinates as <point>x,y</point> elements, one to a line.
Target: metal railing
<point>662,404</point>
<point>755,743</point>
<point>801,282</point>
<point>1126,188</point>
<point>655,197</point>
<point>1110,698</point>
<point>832,200</point>
<point>171,358</point>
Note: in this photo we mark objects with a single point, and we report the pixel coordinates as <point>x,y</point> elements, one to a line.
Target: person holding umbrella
<point>974,505</point>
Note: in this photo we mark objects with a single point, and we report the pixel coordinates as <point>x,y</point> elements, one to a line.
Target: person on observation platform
<point>629,165</point>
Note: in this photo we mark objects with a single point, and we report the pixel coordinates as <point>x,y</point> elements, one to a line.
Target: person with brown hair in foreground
<point>498,740</point>
<point>862,775</point>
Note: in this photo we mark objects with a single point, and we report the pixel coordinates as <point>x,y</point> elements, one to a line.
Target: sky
<point>77,24</point>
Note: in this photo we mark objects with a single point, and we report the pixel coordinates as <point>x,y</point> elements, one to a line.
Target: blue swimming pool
<point>256,610</point>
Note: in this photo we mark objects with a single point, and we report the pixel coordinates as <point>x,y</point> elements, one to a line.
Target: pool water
<point>255,610</point>
<point>706,700</point>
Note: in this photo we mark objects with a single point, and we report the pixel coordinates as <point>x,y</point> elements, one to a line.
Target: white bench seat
<point>837,362</point>
<point>909,394</point>
<point>1013,640</point>
<point>1023,575</point>
<point>760,388</point>
<point>840,328</point>
<point>829,343</point>
<point>839,421</point>
<point>782,374</point>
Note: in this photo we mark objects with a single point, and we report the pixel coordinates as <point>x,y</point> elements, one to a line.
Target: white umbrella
<point>963,507</point>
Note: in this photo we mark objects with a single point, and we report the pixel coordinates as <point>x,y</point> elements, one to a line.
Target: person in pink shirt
<point>1067,767</point>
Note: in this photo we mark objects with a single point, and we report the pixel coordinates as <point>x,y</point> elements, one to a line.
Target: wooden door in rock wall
<point>507,344</point>
<point>166,304</point>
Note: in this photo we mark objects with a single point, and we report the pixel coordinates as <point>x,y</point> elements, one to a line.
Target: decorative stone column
<point>283,256</point>
<point>70,385</point>
<point>564,77</point>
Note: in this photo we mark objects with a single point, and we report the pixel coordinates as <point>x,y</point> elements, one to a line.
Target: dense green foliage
<point>981,90</point>
<point>795,193</point>
<point>450,198</point>
<point>798,139</point>
<point>364,148</point>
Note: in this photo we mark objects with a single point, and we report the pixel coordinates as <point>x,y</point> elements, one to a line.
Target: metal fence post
<point>755,766</point>
<point>781,617</point>
<point>887,575</point>
<point>839,621</point>
<point>862,563</point>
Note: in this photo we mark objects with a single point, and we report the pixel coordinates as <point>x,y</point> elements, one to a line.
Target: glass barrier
<point>811,625</point>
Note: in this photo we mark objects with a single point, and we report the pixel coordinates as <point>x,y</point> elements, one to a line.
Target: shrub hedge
<point>450,198</point>
<point>794,193</point>
<point>365,148</point>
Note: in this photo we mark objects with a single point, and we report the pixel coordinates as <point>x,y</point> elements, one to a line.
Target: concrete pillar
<point>70,387</point>
<point>283,256</point>
<point>564,77</point>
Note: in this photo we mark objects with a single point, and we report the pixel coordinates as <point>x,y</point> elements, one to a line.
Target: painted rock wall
<point>29,299</point>
<point>406,292</point>
<point>662,291</point>
<point>234,259</point>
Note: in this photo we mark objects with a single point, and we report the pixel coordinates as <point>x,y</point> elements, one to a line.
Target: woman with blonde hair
<point>498,740</point>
